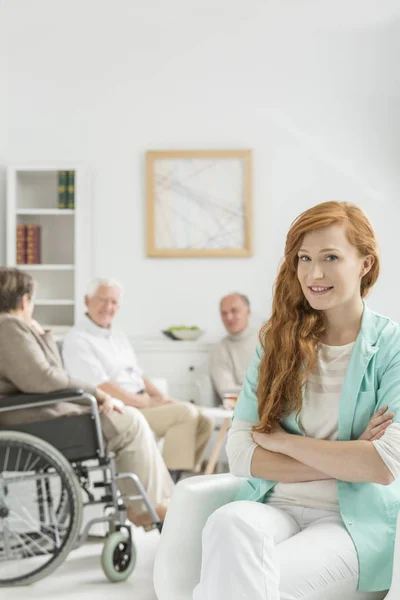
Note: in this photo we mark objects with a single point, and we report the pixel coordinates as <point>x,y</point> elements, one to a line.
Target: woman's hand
<point>273,441</point>
<point>377,425</point>
<point>36,327</point>
<point>106,403</point>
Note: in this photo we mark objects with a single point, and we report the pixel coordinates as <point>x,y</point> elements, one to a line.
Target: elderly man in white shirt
<point>95,352</point>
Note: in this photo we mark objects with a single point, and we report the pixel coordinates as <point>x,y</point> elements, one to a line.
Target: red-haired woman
<point>317,431</point>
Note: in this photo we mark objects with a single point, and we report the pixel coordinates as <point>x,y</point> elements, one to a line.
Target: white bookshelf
<point>43,267</point>
<point>46,211</point>
<point>66,239</point>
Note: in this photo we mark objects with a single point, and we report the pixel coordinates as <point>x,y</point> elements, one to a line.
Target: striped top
<point>319,418</point>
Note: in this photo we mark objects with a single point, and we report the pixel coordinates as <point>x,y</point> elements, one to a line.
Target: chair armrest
<point>178,558</point>
<point>206,394</point>
<point>21,400</point>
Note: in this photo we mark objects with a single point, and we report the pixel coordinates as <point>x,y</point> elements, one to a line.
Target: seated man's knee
<point>190,412</point>
<point>187,411</point>
<point>137,420</point>
<point>207,423</point>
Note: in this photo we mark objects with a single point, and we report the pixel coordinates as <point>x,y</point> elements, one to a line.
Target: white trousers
<point>261,552</point>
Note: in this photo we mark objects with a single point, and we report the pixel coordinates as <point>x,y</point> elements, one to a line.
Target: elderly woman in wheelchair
<point>50,426</point>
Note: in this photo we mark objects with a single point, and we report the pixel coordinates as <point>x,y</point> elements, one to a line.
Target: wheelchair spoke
<point>33,465</point>
<point>38,526</point>
<point>40,508</point>
<point>18,459</point>
<point>28,458</point>
<point>22,551</point>
<point>21,541</point>
<point>7,455</point>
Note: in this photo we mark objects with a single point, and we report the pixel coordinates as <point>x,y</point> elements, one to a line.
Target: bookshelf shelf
<point>48,267</point>
<point>36,197</point>
<point>59,212</point>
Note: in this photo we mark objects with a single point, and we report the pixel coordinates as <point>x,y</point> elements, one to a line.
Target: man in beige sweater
<point>231,357</point>
<point>30,363</point>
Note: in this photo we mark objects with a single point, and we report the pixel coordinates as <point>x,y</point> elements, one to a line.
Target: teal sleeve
<point>388,393</point>
<point>247,405</point>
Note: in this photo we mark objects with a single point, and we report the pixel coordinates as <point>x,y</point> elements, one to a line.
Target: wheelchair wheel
<point>35,479</point>
<point>118,558</point>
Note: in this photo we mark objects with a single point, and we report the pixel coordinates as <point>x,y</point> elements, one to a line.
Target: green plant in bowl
<point>183,332</point>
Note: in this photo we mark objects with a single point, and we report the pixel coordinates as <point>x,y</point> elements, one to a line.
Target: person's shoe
<point>176,474</point>
<point>145,520</point>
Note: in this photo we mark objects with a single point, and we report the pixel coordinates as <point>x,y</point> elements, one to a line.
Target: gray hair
<point>242,296</point>
<point>106,282</point>
<point>14,284</point>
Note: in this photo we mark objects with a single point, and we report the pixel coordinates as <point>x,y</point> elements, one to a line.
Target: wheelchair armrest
<point>20,400</point>
<point>75,395</point>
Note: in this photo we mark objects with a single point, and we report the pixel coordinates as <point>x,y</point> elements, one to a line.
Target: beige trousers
<point>129,436</point>
<point>185,430</point>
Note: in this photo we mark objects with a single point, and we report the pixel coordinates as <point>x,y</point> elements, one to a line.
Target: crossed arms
<point>288,458</point>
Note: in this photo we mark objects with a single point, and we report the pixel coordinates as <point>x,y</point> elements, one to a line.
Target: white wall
<point>313,87</point>
<point>3,127</point>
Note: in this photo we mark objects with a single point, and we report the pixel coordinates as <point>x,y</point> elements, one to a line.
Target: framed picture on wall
<point>199,203</point>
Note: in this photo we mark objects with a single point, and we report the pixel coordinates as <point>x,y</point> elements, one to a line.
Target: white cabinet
<point>183,364</point>
<point>64,267</point>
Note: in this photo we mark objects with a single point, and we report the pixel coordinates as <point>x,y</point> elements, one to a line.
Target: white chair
<point>394,592</point>
<point>205,392</point>
<point>178,558</point>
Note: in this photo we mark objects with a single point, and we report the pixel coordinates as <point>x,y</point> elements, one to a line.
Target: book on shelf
<point>70,189</point>
<point>62,189</point>
<point>33,254</point>
<point>21,245</point>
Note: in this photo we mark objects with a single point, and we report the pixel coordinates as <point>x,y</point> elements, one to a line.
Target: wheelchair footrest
<point>107,498</point>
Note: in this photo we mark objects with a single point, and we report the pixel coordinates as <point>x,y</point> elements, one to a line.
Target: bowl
<point>184,334</point>
<point>169,334</point>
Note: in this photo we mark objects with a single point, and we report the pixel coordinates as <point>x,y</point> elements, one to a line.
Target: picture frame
<point>199,203</point>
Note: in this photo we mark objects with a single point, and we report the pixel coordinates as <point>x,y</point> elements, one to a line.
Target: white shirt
<point>319,419</point>
<point>101,354</point>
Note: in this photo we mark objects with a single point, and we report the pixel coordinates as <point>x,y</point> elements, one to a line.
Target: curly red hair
<point>291,337</point>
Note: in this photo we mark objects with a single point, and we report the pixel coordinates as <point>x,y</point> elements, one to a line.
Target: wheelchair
<point>46,472</point>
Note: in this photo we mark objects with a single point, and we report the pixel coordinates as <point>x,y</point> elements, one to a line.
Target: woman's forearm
<point>281,468</point>
<point>354,461</point>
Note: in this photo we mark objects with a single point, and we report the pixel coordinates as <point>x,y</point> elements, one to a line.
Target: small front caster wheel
<point>118,558</point>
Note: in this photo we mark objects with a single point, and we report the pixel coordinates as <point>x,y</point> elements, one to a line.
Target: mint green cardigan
<point>369,510</point>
